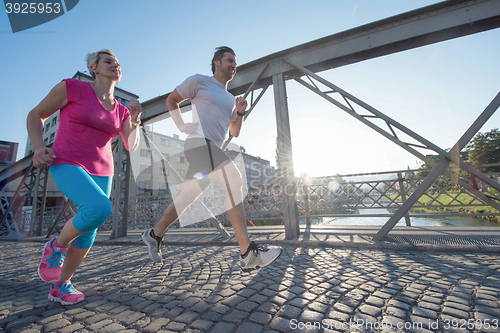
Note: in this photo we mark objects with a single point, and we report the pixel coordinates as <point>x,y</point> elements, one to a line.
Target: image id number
<point>32,8</point>
<point>471,324</point>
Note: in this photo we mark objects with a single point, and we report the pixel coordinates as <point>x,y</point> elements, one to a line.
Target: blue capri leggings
<point>91,195</point>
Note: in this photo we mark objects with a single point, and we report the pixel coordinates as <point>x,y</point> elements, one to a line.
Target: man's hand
<point>188,128</point>
<point>241,104</point>
<point>43,156</point>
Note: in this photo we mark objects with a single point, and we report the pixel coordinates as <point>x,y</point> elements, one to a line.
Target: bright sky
<point>437,91</point>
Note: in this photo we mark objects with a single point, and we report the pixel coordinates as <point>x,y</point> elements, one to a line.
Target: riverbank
<point>471,211</point>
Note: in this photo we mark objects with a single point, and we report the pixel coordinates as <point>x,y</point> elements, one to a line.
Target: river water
<point>415,221</point>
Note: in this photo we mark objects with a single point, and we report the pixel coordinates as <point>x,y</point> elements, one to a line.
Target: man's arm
<point>236,125</point>
<point>173,101</point>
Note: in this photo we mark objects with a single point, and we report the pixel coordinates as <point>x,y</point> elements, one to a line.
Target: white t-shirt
<point>213,106</point>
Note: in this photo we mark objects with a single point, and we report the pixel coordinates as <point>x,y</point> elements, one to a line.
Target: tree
<point>484,148</point>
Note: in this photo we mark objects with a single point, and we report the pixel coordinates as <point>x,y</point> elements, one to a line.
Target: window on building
<point>179,159</point>
<point>180,145</point>
<point>144,168</point>
<point>247,166</point>
<point>46,140</point>
<point>165,142</point>
<point>163,171</point>
<point>182,173</point>
<point>167,157</point>
<point>163,187</point>
<point>51,139</point>
<point>47,127</point>
<point>144,186</point>
<point>54,121</point>
<point>145,153</point>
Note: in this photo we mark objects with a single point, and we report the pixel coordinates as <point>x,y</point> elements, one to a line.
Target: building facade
<point>158,161</point>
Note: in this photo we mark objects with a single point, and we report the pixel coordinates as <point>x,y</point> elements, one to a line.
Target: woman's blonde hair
<point>93,60</point>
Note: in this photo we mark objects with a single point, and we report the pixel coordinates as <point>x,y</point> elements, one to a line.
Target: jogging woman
<point>81,162</point>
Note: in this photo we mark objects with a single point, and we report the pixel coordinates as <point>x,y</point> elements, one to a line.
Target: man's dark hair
<point>219,54</point>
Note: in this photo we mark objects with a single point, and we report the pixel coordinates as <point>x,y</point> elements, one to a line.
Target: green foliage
<point>485,148</point>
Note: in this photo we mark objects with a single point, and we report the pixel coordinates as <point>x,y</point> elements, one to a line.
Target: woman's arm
<point>130,126</point>
<point>55,100</point>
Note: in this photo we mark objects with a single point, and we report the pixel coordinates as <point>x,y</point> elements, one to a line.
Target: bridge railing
<point>353,195</point>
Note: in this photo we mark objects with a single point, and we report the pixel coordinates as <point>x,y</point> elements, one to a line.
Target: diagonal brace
<point>441,167</point>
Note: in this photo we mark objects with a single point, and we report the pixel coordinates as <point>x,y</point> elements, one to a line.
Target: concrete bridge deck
<point>330,280</point>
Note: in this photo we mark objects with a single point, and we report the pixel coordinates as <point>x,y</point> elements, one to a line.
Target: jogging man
<point>215,111</point>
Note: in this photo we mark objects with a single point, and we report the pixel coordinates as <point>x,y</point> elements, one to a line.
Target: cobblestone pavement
<point>308,289</point>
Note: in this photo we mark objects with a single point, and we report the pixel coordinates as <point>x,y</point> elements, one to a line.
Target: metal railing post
<point>402,193</point>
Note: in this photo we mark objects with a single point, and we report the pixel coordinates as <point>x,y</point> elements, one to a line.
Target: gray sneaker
<point>154,245</point>
<point>259,257</point>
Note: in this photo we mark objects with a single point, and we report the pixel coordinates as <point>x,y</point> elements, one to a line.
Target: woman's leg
<point>73,260</point>
<point>91,195</point>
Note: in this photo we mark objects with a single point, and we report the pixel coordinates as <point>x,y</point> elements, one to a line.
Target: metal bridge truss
<point>424,26</point>
<point>8,227</point>
<point>32,186</point>
<point>367,115</point>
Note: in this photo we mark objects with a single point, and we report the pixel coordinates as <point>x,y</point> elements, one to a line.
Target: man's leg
<point>237,217</point>
<point>252,255</point>
<point>229,177</point>
<point>153,238</point>
<point>190,191</point>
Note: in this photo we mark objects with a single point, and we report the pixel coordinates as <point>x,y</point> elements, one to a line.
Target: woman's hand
<point>135,110</point>
<point>42,156</point>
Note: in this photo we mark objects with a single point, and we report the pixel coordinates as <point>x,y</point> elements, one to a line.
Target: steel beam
<point>442,165</point>
<point>16,170</point>
<point>391,134</point>
<point>39,200</point>
<point>120,221</point>
<point>435,23</point>
<point>426,144</point>
<point>285,158</point>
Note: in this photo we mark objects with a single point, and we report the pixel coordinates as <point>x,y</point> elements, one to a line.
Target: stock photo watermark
<point>361,324</point>
<point>25,15</point>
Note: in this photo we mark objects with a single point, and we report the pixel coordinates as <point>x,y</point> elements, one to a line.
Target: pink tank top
<point>86,129</point>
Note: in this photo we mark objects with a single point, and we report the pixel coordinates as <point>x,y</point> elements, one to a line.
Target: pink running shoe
<point>49,269</point>
<point>65,294</point>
